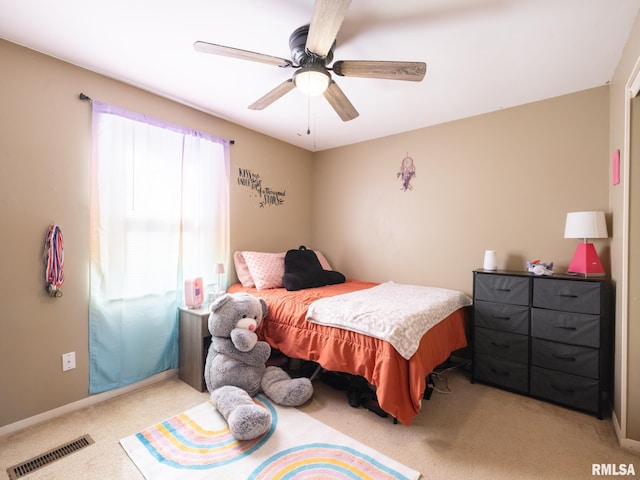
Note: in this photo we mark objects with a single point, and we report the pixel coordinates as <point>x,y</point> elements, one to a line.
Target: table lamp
<point>218,269</point>
<point>585,225</point>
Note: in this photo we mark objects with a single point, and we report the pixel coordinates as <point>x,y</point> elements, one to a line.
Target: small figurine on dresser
<point>539,268</point>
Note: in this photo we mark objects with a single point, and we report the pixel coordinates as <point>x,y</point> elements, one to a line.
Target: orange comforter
<point>399,383</point>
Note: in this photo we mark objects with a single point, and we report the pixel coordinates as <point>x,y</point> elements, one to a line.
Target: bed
<point>399,382</point>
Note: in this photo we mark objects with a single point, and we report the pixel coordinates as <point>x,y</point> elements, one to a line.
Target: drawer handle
<point>565,327</point>
<point>563,389</point>
<point>500,345</point>
<point>503,289</point>
<point>502,373</point>
<point>567,358</point>
<point>566,295</point>
<point>498,317</point>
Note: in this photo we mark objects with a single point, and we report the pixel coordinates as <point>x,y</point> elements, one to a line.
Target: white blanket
<point>397,313</point>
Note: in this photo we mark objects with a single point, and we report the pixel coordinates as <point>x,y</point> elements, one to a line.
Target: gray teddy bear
<point>236,370</point>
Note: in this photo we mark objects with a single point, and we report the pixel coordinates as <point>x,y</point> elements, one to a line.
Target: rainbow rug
<point>197,444</point>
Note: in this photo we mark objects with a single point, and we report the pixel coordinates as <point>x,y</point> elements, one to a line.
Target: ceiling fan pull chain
<point>308,115</point>
<point>315,129</point>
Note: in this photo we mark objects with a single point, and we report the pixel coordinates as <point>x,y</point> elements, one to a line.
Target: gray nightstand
<point>194,341</point>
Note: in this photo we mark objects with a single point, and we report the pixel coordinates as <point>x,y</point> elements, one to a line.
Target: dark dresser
<point>548,337</point>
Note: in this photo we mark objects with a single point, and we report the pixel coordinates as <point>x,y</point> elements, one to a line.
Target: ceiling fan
<point>312,48</point>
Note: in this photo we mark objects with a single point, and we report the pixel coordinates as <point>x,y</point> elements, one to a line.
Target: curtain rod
<point>82,96</point>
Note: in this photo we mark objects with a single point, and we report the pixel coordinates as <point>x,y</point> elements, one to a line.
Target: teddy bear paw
<point>246,419</point>
<point>249,421</point>
<point>284,390</point>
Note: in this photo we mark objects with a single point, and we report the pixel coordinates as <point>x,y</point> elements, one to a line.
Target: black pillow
<point>302,269</point>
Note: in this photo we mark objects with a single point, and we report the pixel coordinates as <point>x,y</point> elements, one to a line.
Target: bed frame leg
<point>316,372</point>
<point>430,386</point>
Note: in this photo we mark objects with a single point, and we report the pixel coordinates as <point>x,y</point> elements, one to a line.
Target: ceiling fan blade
<point>214,49</point>
<point>273,95</point>
<point>325,24</point>
<point>411,71</point>
<point>340,103</point>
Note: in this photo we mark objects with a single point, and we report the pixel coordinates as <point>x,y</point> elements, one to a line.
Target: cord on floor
<point>441,377</point>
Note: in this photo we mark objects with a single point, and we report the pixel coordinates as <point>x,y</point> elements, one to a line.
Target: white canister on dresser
<point>490,260</point>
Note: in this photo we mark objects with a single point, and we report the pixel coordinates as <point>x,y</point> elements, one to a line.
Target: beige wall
<point>45,138</point>
<point>502,181</point>
<point>629,417</point>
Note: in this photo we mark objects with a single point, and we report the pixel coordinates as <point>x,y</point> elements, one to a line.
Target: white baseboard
<point>631,445</point>
<point>85,402</point>
<point>626,443</point>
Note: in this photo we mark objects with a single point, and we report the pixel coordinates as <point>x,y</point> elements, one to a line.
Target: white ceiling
<point>481,55</point>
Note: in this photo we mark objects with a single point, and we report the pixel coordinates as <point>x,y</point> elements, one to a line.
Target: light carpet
<point>197,444</point>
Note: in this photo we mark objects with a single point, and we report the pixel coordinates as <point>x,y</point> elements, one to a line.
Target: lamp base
<point>585,261</point>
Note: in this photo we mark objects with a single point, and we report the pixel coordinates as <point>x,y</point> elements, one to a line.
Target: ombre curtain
<point>159,214</point>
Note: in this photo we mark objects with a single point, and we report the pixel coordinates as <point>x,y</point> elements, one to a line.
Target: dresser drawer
<point>511,375</point>
<point>502,316</point>
<point>508,346</point>
<point>579,329</point>
<point>502,288</point>
<point>564,388</point>
<point>573,359</point>
<point>567,295</point>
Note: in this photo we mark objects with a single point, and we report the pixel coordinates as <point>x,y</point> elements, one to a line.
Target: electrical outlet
<point>68,361</point>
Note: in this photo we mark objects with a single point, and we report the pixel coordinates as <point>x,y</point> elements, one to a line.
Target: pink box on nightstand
<point>193,292</point>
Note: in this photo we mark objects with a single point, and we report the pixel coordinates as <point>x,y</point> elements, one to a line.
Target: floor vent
<point>24,468</point>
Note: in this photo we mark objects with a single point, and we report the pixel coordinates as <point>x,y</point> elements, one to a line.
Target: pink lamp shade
<point>586,225</point>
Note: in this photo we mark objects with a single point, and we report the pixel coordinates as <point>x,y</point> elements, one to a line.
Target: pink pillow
<point>266,269</point>
<point>323,261</point>
<point>244,276</point>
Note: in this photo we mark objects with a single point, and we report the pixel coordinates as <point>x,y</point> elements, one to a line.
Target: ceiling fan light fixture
<point>312,80</point>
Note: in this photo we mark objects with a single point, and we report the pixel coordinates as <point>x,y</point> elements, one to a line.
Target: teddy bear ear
<point>264,307</point>
<point>218,302</point>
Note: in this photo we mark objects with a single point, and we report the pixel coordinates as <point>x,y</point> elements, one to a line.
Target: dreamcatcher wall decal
<point>406,173</point>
